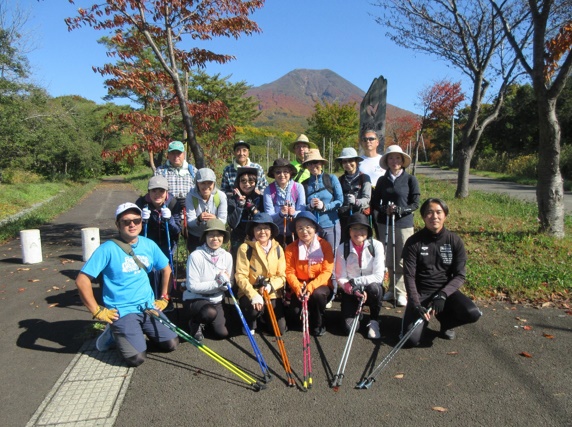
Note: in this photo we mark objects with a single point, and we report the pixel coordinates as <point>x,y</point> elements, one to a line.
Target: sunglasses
<point>127,222</point>
<point>370,138</point>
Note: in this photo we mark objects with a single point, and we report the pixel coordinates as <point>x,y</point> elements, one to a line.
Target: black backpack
<point>326,179</point>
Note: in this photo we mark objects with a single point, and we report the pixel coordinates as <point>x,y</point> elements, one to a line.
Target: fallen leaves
<point>548,336</point>
<point>452,353</point>
<point>33,280</point>
<point>20,290</point>
<point>53,305</point>
<point>527,327</point>
<point>525,354</point>
<point>399,375</point>
<point>439,409</point>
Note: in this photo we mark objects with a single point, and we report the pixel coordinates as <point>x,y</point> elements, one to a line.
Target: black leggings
<point>251,314</point>
<point>316,306</point>
<point>459,310</point>
<point>350,304</point>
<point>206,312</point>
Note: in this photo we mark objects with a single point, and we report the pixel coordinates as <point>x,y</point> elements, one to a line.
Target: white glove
<point>268,288</point>
<point>166,213</point>
<point>145,214</point>
<point>320,205</point>
<point>222,278</point>
<point>257,300</point>
<point>351,199</point>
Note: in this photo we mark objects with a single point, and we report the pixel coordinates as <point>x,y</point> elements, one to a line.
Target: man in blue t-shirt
<point>124,264</point>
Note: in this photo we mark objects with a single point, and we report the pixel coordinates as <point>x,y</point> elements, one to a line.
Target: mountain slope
<point>286,103</point>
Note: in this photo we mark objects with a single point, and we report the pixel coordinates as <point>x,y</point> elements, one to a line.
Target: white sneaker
<point>252,331</point>
<point>373,331</point>
<point>388,296</point>
<point>401,301</point>
<point>329,304</point>
<point>105,341</point>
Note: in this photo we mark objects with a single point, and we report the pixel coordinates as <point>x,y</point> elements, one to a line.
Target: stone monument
<point>372,110</point>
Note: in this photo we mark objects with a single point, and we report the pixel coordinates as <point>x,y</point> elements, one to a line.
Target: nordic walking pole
<point>170,253</point>
<point>338,378</point>
<point>307,358</point>
<point>279,340</point>
<point>145,223</point>
<point>161,318</point>
<point>393,252</point>
<point>368,381</point>
<point>261,362</point>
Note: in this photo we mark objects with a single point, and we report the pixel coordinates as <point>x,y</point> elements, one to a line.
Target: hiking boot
<point>373,331</point>
<point>448,334</point>
<point>401,301</point>
<point>196,330</point>
<point>105,341</point>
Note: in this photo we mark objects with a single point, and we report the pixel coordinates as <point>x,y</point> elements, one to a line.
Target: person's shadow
<point>64,336</point>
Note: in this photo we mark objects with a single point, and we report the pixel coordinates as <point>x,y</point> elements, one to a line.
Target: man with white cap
<point>179,173</point>
<point>300,148</point>
<point>124,264</point>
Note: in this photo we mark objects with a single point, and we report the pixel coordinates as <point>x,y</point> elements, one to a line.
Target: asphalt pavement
<point>510,368</point>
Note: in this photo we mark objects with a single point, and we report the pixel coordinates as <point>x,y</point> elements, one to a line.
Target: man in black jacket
<point>434,261</point>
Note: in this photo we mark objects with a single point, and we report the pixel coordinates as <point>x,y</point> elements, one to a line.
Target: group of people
<point>308,234</point>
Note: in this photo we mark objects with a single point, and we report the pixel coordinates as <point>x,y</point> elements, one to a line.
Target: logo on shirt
<point>129,265</point>
<point>424,250</point>
<point>446,253</point>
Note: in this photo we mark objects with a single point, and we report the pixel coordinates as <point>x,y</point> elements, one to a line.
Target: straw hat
<point>313,156</point>
<point>394,149</point>
<point>302,138</point>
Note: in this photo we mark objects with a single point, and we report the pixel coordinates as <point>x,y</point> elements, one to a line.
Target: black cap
<point>240,143</point>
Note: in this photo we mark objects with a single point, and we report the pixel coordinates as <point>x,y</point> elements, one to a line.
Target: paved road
<point>480,379</point>
<point>480,183</point>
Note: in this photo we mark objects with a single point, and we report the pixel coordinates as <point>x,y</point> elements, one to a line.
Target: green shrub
<point>20,176</point>
<point>523,165</point>
<point>493,163</point>
<point>566,162</point>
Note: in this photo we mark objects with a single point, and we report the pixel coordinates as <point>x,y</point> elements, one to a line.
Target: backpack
<point>249,252</point>
<point>216,198</point>
<point>369,247</point>
<point>326,179</point>
<point>293,192</point>
<point>129,251</point>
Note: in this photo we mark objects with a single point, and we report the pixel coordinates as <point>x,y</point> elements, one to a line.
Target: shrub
<point>523,166</point>
<point>566,162</point>
<point>493,163</point>
<point>19,176</point>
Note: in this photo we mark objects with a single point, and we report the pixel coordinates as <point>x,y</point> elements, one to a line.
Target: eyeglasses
<point>248,181</point>
<point>260,228</point>
<point>370,138</point>
<point>304,228</point>
<point>313,163</point>
<point>127,222</point>
<point>281,172</point>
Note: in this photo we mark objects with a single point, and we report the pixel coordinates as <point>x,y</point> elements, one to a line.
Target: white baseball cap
<point>126,207</point>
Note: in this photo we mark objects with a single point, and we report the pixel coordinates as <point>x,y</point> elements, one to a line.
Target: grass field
<point>508,260</point>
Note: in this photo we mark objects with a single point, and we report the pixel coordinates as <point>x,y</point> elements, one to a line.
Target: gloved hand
<point>257,302</point>
<point>357,290</point>
<point>223,280</point>
<point>438,303</point>
<point>145,214</point>
<point>350,199</point>
<point>161,304</point>
<point>319,205</point>
<point>166,213</point>
<point>105,315</point>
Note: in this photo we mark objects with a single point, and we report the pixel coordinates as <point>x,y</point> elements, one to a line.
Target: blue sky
<point>339,35</point>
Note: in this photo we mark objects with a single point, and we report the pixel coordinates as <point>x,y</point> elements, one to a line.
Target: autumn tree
<point>548,62</point>
<point>438,102</point>
<point>466,35</point>
<point>401,130</point>
<point>164,26</point>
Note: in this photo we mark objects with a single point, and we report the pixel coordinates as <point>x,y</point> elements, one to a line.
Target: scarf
<point>311,253</point>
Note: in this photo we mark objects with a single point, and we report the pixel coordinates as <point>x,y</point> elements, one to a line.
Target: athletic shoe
<point>170,307</point>
<point>373,331</point>
<point>318,332</point>
<point>329,304</point>
<point>252,331</point>
<point>196,330</point>
<point>401,301</point>
<point>105,341</point>
<point>448,334</point>
<point>388,296</point>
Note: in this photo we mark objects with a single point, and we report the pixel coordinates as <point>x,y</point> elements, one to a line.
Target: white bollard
<point>31,246</point>
<point>89,241</point>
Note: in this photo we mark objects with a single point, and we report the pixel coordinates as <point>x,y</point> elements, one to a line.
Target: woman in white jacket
<point>359,269</point>
<point>209,269</point>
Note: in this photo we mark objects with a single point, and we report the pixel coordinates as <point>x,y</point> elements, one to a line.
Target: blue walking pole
<point>170,253</point>
<point>261,362</point>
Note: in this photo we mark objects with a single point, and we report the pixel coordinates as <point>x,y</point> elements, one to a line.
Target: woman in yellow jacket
<point>310,260</point>
<point>261,264</point>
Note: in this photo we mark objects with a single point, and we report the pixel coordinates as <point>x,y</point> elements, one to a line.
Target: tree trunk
<point>549,189</point>
<point>464,159</point>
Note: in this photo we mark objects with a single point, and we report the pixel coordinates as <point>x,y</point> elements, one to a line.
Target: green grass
<point>67,195</point>
<point>507,258</point>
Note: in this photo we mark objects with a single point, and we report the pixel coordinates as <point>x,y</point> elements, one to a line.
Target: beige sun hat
<point>394,149</point>
<point>302,138</point>
<point>313,156</point>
